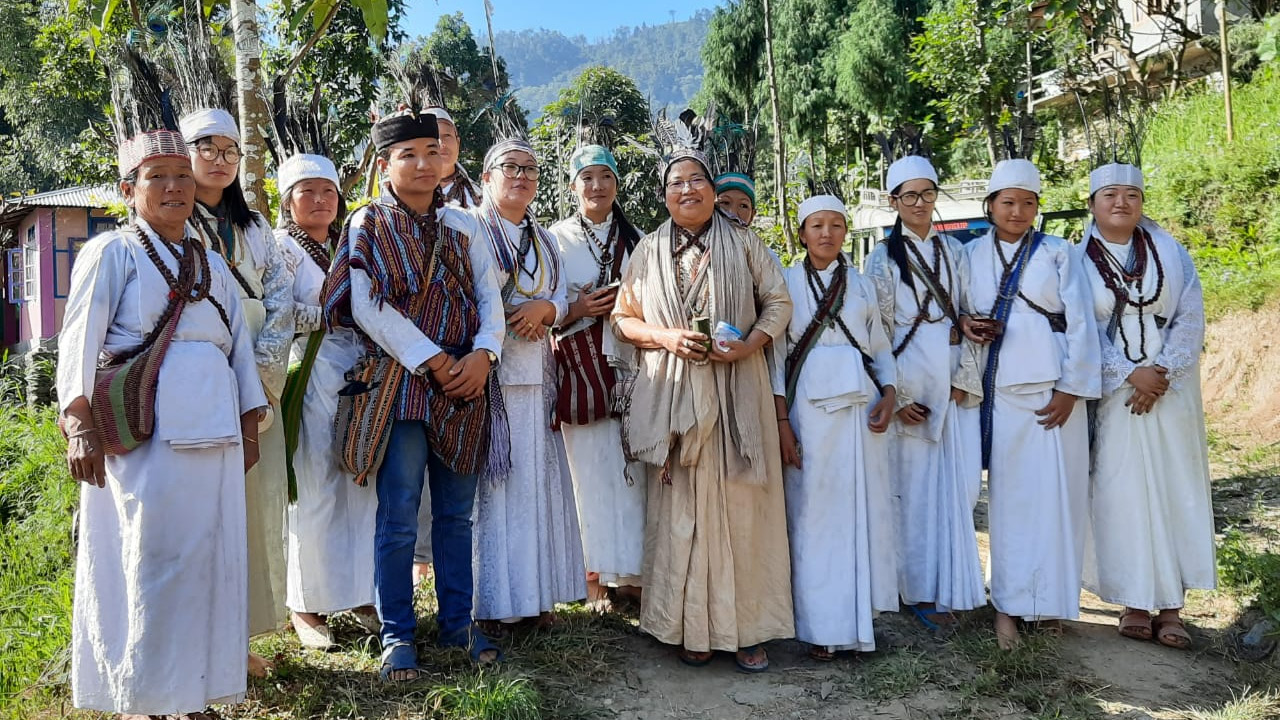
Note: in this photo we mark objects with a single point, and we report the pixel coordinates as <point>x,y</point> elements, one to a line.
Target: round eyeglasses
<point>210,153</point>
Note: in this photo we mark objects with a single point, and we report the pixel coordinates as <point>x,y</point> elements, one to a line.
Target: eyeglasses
<point>697,182</point>
<point>210,152</point>
<point>513,171</point>
<point>911,199</point>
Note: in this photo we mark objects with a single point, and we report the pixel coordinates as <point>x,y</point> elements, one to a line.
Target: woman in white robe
<point>528,549</point>
<point>147,638</point>
<point>841,512</point>
<point>1045,364</point>
<point>224,222</point>
<point>595,245</point>
<point>1152,507</point>
<point>936,460</point>
<point>331,523</point>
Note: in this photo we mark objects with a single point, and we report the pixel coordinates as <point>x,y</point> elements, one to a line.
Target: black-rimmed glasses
<point>512,171</point>
<point>912,198</point>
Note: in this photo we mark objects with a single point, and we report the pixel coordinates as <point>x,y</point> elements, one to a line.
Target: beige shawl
<point>675,400</point>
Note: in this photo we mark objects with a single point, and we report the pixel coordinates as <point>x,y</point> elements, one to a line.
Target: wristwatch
<point>493,356</point>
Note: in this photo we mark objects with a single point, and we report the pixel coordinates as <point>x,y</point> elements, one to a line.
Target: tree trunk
<point>779,143</point>
<point>253,106</point>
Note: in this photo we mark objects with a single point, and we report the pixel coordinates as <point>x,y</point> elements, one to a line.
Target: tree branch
<point>321,29</point>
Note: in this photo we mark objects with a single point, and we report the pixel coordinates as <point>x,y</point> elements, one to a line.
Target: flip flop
<point>923,617</point>
<point>476,643</point>
<point>694,658</point>
<point>400,657</point>
<point>747,667</point>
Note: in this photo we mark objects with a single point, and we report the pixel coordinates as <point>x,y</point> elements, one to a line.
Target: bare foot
<point>1007,632</point>
<point>259,666</point>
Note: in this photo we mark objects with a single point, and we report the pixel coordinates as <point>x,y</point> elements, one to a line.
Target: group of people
<point>310,416</point>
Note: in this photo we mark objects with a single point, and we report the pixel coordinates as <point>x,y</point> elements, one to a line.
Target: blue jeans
<point>453,496</point>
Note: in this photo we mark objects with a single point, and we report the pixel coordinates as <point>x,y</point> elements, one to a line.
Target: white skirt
<point>331,526</point>
<point>1152,509</point>
<point>160,625</point>
<point>610,512</point>
<point>1039,503</point>
<point>841,517</point>
<point>528,550</point>
<point>937,486</point>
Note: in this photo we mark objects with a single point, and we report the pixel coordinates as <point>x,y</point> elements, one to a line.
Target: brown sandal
<point>1135,624</point>
<point>1170,632</point>
<point>821,653</point>
<point>694,658</point>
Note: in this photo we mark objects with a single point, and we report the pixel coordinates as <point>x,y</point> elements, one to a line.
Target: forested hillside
<point>664,60</point>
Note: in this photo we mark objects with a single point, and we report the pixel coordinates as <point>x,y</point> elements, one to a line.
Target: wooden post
<point>1226,70</point>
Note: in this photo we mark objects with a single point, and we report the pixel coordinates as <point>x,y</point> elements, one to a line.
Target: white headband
<point>304,167</point>
<point>911,167</point>
<point>440,113</point>
<point>208,123</point>
<point>1115,174</point>
<point>818,203</point>
<point>1015,174</point>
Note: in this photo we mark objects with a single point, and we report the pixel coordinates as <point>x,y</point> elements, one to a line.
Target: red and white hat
<point>150,145</point>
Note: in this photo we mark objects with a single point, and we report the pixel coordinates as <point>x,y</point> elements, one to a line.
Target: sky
<point>593,18</point>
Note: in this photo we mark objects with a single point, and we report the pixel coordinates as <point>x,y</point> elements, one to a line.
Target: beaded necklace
<point>601,251</point>
<point>1123,281</point>
<point>319,253</point>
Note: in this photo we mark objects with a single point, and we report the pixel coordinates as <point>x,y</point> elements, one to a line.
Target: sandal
<point>926,617</point>
<point>821,653</point>
<point>1135,624</point>
<point>400,658</point>
<point>742,658</point>
<point>314,637</point>
<point>1170,632</point>
<point>476,643</point>
<point>694,658</point>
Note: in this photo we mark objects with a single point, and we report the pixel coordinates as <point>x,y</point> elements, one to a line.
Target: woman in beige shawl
<point>717,569</point>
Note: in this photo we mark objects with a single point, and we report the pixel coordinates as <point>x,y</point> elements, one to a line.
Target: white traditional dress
<point>717,570</point>
<point>331,525</point>
<point>159,624</point>
<point>1037,479</point>
<point>841,509</point>
<point>528,549</point>
<point>610,503</point>
<point>1152,509</point>
<point>266,292</point>
<point>937,464</point>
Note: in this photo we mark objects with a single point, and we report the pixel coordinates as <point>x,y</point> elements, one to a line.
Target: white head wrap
<point>305,167</point>
<point>207,123</point>
<point>440,113</point>
<point>911,167</point>
<point>818,203</point>
<point>1015,174</point>
<point>1115,174</point>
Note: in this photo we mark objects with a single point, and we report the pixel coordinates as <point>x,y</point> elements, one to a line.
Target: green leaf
<point>101,11</point>
<point>319,10</point>
<point>299,15</point>
<point>375,18</point>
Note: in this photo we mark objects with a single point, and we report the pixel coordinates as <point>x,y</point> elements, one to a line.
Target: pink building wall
<point>59,233</point>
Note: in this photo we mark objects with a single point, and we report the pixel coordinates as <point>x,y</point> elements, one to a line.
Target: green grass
<point>1248,705</point>
<point>37,499</point>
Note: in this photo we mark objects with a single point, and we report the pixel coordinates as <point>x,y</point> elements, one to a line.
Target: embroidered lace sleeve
<point>1184,335</point>
<point>885,280</point>
<point>272,345</point>
<point>879,346</point>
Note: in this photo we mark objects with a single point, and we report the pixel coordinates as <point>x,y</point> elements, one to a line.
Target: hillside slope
<point>664,60</point>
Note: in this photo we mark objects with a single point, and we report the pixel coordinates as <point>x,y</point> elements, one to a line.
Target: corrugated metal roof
<point>13,209</point>
<point>85,196</point>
